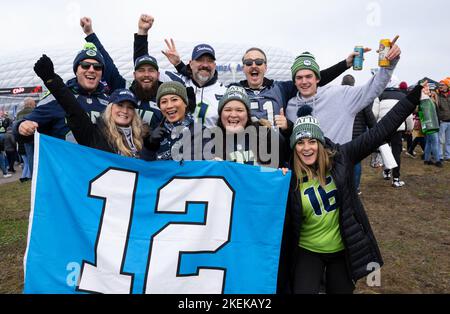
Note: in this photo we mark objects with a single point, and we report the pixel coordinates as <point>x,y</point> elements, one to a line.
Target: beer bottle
<point>428,116</point>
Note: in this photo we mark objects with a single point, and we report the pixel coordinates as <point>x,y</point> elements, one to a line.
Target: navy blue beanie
<point>89,52</point>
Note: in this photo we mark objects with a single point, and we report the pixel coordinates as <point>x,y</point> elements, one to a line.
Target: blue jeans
<point>29,151</point>
<point>26,170</point>
<point>432,147</point>
<point>444,140</point>
<point>3,160</point>
<point>3,163</point>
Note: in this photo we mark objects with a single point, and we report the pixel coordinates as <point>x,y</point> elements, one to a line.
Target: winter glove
<point>191,99</point>
<point>44,68</point>
<point>414,95</point>
<point>156,135</point>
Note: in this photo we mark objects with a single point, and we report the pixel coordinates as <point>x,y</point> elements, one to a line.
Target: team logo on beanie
<point>91,53</point>
<point>307,63</point>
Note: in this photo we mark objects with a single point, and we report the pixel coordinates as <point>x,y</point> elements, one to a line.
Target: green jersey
<point>320,227</point>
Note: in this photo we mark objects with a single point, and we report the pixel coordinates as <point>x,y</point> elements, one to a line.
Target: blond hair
<point>115,137</point>
<point>319,169</point>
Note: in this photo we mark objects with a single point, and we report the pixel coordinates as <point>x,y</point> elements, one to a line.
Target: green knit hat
<point>234,93</point>
<point>306,126</point>
<point>172,88</point>
<point>305,61</point>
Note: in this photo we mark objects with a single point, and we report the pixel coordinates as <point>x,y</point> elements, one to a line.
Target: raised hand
<point>280,120</point>
<point>44,68</point>
<point>86,25</point>
<point>352,56</point>
<point>395,51</point>
<point>145,23</point>
<point>171,52</point>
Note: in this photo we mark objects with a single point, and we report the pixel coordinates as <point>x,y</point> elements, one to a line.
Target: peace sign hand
<point>171,52</point>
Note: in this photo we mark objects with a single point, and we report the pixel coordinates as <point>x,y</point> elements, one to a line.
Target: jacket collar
<point>73,85</point>
<point>266,83</point>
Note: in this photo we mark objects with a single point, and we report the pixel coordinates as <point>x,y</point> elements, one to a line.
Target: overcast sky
<point>328,29</point>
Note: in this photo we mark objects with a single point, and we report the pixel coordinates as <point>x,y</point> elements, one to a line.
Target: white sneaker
<point>396,183</point>
<point>7,175</point>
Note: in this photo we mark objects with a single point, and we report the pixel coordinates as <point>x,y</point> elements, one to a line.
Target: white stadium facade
<point>18,80</point>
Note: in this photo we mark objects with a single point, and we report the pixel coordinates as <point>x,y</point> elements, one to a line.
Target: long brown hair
<point>319,169</point>
<point>115,137</point>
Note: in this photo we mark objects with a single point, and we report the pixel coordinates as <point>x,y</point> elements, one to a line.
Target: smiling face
<point>172,107</point>
<point>307,150</point>
<point>254,73</point>
<point>234,116</point>
<point>122,113</point>
<point>306,83</point>
<point>89,78</point>
<point>146,76</point>
<point>203,69</point>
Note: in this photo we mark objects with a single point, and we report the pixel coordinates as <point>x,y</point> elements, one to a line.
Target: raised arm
<point>111,74</point>
<point>367,142</point>
<point>77,119</point>
<point>140,45</point>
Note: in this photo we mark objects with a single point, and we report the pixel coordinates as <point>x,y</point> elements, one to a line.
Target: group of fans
<point>303,124</point>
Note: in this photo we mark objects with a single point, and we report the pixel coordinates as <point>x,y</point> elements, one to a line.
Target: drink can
<point>385,46</point>
<point>358,60</point>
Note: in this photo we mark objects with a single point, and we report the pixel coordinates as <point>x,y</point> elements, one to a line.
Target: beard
<point>202,79</point>
<point>146,94</point>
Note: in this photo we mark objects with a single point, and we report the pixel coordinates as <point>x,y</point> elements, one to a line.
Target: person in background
<point>381,106</point>
<point>443,111</point>
<point>28,144</point>
<point>363,120</point>
<point>10,149</point>
<point>407,135</point>
<point>418,137</point>
<point>431,155</point>
<point>3,165</point>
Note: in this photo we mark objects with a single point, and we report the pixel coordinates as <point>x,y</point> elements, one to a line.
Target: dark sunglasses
<point>87,65</point>
<point>249,62</point>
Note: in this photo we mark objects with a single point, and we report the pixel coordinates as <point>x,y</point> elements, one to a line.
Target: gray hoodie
<point>335,106</point>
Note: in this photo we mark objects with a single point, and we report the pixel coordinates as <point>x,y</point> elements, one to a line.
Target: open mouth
<point>90,78</point>
<point>171,114</point>
<point>254,74</point>
<point>234,122</point>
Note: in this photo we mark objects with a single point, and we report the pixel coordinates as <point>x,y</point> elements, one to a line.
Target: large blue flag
<point>104,223</point>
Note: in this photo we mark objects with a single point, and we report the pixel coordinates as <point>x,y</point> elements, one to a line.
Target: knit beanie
<point>305,61</point>
<point>234,93</point>
<point>89,52</point>
<point>306,126</point>
<point>172,88</point>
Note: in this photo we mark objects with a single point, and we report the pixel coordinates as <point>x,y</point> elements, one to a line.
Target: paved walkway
<point>14,177</point>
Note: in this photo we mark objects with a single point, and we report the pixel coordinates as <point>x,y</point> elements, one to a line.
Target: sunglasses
<point>249,62</point>
<point>87,65</point>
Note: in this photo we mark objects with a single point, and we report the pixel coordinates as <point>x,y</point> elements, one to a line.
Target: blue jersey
<point>51,116</point>
<point>267,102</point>
<point>149,113</point>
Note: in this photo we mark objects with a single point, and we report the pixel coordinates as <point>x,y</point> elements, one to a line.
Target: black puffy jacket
<point>360,244</point>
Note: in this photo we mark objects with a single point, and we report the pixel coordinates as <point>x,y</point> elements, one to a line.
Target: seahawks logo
<point>307,62</point>
<point>91,53</point>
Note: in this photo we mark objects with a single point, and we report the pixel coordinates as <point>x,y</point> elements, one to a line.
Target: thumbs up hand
<point>280,120</point>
